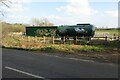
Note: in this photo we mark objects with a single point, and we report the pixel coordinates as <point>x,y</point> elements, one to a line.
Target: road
<point>25,64</point>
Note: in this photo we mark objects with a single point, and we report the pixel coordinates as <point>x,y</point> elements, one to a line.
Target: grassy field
<point>107,32</point>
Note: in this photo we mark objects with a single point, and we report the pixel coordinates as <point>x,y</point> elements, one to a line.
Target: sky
<point>101,13</point>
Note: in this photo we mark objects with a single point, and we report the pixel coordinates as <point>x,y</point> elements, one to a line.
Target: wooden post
<point>76,40</point>
<point>114,37</point>
<point>69,41</point>
<point>118,37</point>
<point>27,42</point>
<point>35,39</point>
<point>53,39</point>
<point>64,39</point>
<point>44,39</point>
<point>28,39</point>
<point>38,39</point>
<point>106,38</point>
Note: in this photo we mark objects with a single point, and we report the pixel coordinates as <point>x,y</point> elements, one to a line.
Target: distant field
<point>109,33</point>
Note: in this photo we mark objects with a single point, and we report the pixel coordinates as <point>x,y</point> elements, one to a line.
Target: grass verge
<point>99,50</point>
<point>97,53</point>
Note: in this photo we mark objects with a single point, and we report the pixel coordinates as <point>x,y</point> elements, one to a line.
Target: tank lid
<point>83,24</point>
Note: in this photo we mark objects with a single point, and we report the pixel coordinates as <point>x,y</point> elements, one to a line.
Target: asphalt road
<point>23,64</point>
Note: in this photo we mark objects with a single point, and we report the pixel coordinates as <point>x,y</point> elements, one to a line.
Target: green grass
<point>71,49</point>
<point>18,43</point>
<point>112,32</point>
<point>95,45</point>
<point>97,53</point>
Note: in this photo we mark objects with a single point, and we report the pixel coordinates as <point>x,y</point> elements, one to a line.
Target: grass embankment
<point>106,51</point>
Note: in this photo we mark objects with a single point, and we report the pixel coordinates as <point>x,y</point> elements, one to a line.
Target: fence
<point>65,40</point>
<point>37,42</point>
<point>106,38</point>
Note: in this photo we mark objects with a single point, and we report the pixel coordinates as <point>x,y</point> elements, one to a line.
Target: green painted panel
<point>41,31</point>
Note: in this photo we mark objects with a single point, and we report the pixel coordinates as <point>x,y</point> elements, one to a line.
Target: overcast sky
<point>101,13</point>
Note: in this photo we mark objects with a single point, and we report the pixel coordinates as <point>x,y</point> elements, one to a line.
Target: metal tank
<point>80,30</point>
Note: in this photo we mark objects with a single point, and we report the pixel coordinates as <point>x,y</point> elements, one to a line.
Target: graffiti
<point>45,32</point>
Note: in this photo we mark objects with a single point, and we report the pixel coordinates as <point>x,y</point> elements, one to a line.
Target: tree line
<point>7,28</point>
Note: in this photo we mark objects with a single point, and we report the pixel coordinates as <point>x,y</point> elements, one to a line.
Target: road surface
<point>25,64</point>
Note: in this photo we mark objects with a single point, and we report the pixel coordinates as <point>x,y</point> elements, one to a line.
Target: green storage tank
<point>80,30</point>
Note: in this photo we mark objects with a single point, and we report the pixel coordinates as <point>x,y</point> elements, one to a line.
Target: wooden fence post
<point>64,39</point>
<point>118,37</point>
<point>75,39</point>
<point>53,39</point>
<point>35,41</point>
<point>44,39</point>
<point>114,36</point>
<point>69,41</point>
<point>27,41</point>
<point>106,38</point>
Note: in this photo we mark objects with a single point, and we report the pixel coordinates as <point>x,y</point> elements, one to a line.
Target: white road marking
<point>81,60</point>
<point>76,59</point>
<point>23,72</point>
<point>70,58</point>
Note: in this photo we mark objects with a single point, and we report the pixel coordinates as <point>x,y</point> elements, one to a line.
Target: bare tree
<point>45,22</point>
<point>6,4</point>
<point>35,21</point>
<point>41,22</point>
